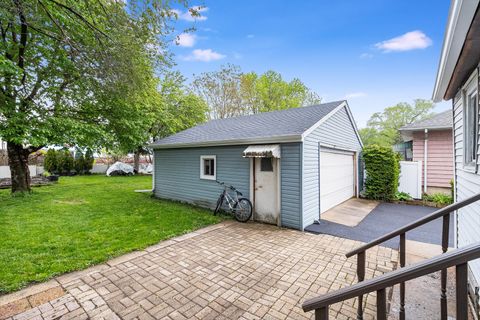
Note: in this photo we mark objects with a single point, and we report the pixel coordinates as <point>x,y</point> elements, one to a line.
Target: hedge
<point>382,170</point>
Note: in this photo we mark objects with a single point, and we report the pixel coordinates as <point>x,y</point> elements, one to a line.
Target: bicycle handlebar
<point>223,184</point>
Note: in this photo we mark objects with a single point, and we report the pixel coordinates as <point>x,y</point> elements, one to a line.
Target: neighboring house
<point>458,80</point>
<point>3,145</point>
<point>432,144</point>
<point>292,164</point>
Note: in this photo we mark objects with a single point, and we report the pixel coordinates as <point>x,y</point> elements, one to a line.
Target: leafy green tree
<point>382,127</point>
<point>221,91</point>
<point>76,72</point>
<point>229,92</point>
<point>170,109</point>
<point>273,93</point>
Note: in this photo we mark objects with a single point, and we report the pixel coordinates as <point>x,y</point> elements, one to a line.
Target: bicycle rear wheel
<point>243,210</point>
<point>219,204</point>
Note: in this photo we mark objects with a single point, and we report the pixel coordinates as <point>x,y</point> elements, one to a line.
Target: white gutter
<point>425,158</point>
<point>459,20</point>
<point>276,139</point>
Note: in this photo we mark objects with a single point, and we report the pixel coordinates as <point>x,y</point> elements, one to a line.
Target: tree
<point>221,90</point>
<point>229,92</point>
<point>171,109</point>
<point>74,72</point>
<point>271,93</point>
<point>382,127</point>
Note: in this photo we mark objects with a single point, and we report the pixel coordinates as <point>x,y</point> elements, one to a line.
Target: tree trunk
<point>18,162</point>
<point>136,161</point>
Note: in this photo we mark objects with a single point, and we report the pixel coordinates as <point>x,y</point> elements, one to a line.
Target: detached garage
<point>292,164</point>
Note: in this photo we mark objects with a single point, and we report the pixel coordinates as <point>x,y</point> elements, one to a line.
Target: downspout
<point>425,158</point>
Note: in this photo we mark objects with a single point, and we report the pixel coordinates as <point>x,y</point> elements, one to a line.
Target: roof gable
<point>276,126</point>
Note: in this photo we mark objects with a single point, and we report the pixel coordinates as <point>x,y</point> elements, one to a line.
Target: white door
<point>337,178</point>
<point>266,190</point>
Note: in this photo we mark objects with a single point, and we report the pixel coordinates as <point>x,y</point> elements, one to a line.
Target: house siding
<point>439,156</point>
<point>177,177</point>
<point>291,185</point>
<point>337,131</point>
<point>467,183</point>
<point>177,174</point>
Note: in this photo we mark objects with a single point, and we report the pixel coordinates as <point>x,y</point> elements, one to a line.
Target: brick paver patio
<point>227,271</point>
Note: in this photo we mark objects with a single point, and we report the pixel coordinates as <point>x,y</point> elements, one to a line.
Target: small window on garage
<point>266,164</point>
<point>208,167</point>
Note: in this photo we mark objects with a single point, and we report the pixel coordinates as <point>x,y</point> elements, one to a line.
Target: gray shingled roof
<point>441,120</point>
<point>276,126</point>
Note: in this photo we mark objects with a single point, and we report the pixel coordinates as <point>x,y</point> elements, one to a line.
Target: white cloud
<point>409,41</point>
<point>354,95</point>
<point>237,55</point>
<point>366,56</point>
<point>250,36</point>
<point>187,15</point>
<point>204,55</point>
<point>186,40</point>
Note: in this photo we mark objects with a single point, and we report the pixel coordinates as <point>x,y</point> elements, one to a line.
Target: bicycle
<point>239,207</point>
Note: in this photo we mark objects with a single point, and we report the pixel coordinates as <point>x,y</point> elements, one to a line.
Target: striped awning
<point>262,151</point>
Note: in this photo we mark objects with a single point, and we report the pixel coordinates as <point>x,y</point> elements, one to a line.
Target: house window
<point>266,164</point>
<point>208,167</point>
<point>470,127</point>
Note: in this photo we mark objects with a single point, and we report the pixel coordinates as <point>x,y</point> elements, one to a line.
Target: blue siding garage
<point>288,143</point>
<point>177,174</point>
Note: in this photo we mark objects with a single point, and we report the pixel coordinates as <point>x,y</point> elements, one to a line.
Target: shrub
<point>438,198</point>
<point>88,161</point>
<point>79,163</point>
<point>403,196</point>
<point>51,162</point>
<point>66,161</point>
<point>383,170</point>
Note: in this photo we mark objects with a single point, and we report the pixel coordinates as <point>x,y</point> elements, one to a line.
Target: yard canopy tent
<point>262,151</point>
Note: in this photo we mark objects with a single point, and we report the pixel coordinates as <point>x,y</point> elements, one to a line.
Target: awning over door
<point>262,151</point>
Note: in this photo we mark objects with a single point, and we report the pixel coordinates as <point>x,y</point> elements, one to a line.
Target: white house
<point>458,81</point>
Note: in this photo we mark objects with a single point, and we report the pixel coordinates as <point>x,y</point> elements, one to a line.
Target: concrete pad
<point>418,251</point>
<point>351,212</point>
<point>28,291</point>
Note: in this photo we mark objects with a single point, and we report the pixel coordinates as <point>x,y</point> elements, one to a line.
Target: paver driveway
<point>227,271</point>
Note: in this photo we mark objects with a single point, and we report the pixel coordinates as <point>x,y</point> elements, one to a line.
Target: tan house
<point>432,144</point>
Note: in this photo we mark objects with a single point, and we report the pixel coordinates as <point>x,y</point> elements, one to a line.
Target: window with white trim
<point>208,167</point>
<point>470,131</point>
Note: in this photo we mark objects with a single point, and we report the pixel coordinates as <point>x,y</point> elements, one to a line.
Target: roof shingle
<point>262,126</point>
<point>441,120</point>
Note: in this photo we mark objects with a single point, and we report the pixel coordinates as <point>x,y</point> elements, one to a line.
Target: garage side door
<point>337,178</point>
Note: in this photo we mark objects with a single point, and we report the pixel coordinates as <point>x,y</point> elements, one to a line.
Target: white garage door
<point>337,178</point>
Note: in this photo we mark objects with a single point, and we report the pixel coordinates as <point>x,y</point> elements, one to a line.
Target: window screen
<point>266,164</point>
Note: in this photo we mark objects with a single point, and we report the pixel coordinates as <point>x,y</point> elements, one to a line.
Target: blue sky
<point>373,53</point>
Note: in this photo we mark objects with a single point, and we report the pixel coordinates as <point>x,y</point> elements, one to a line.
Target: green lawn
<point>83,221</point>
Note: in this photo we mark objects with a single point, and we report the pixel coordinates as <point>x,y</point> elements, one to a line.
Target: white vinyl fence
<point>411,178</point>
<point>5,171</point>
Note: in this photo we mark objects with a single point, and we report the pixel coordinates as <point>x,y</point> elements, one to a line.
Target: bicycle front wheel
<point>243,210</point>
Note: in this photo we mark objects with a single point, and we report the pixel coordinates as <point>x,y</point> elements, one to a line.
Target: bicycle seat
<point>239,193</point>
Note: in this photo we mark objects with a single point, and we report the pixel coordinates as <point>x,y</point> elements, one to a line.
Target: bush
<point>51,162</point>
<point>88,161</point>
<point>439,198</point>
<point>383,169</point>
<point>402,196</point>
<point>66,161</point>
<point>79,163</point>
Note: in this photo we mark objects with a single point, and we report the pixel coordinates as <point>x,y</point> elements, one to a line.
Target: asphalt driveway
<point>384,218</point>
